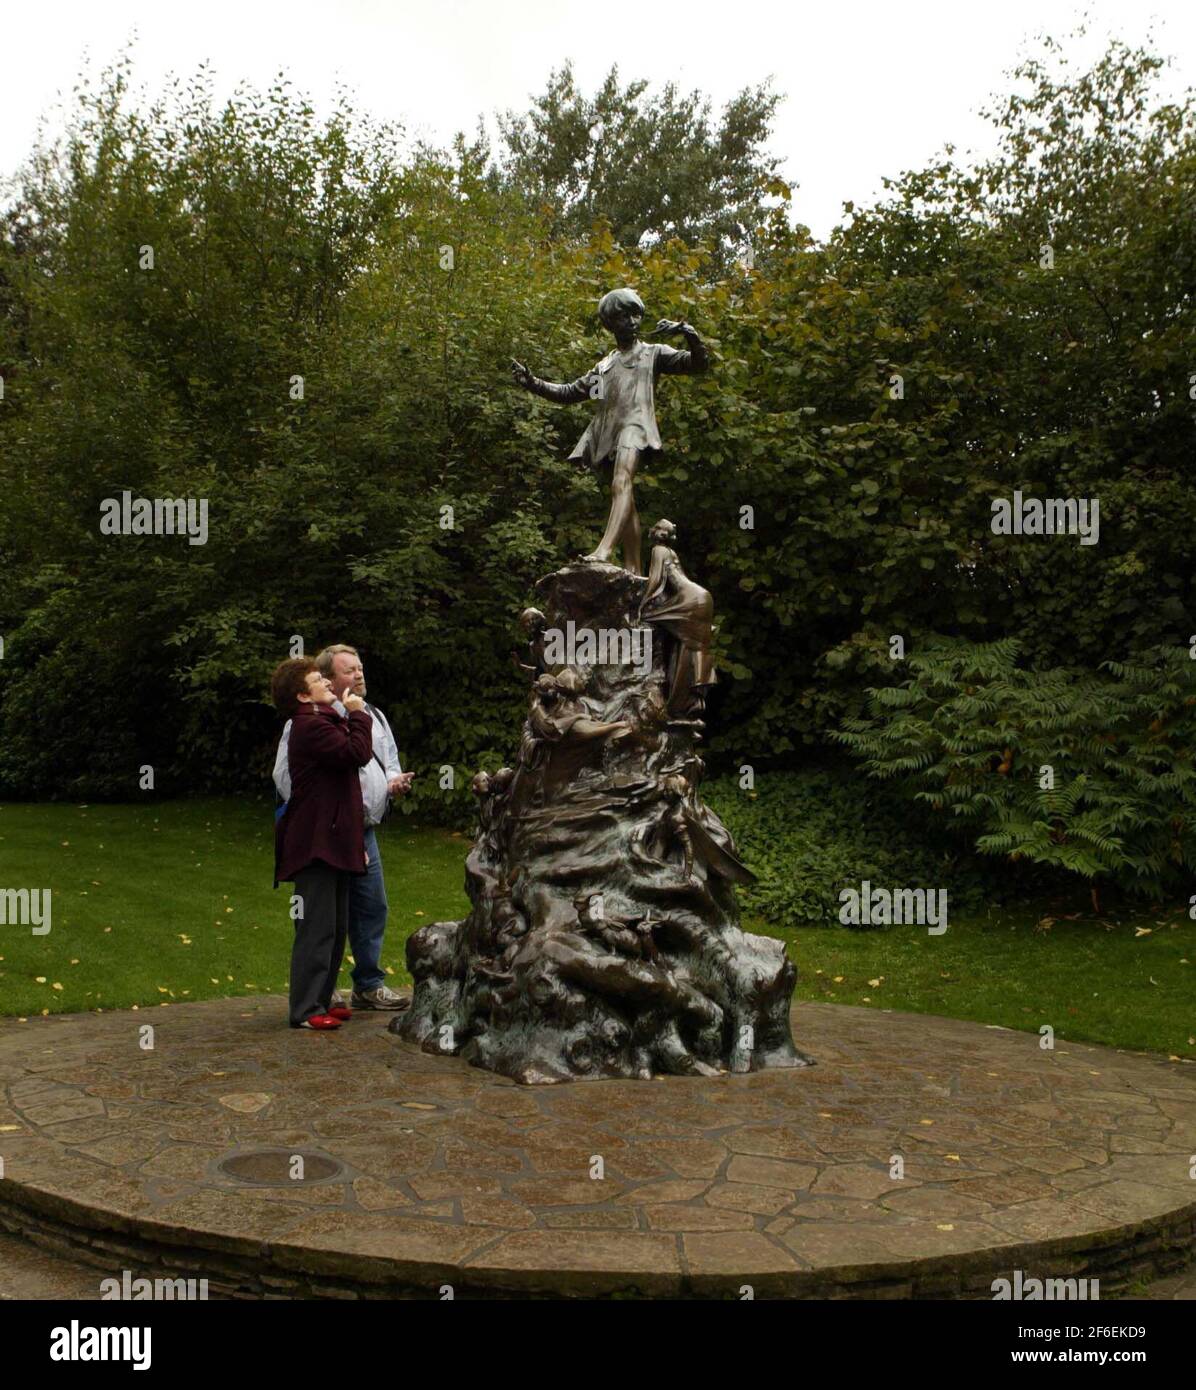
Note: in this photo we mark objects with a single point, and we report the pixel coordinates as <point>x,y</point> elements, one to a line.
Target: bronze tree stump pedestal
<point>604,939</point>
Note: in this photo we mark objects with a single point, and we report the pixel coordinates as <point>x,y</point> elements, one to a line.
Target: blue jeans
<point>367,919</point>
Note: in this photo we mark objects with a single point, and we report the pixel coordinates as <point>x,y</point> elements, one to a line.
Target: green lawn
<point>1091,979</point>
<point>161,903</point>
<point>174,900</point>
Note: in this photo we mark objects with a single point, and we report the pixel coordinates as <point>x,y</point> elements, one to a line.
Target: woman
<point>319,840</point>
<point>685,611</point>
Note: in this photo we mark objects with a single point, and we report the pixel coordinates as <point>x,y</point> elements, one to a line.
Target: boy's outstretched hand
<point>667,326</point>
<point>520,374</point>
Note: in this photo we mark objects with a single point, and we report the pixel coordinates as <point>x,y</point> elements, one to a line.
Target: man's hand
<point>521,375</point>
<point>352,702</point>
<point>400,785</point>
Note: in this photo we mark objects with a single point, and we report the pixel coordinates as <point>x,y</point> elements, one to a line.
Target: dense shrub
<point>809,835</point>
<point>1091,773</point>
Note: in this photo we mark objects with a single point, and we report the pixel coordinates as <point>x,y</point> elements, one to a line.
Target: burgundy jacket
<point>324,819</point>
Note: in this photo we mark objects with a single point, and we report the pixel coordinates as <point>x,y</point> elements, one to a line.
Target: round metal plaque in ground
<point>280,1167</point>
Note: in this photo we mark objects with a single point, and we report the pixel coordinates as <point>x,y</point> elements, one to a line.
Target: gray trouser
<point>319,939</point>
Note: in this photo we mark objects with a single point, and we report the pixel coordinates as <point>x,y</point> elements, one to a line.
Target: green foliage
<point>1085,772</point>
<point>649,166</point>
<point>809,835</point>
<point>289,246</point>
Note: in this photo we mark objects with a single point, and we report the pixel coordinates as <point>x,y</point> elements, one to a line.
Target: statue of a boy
<point>624,426</point>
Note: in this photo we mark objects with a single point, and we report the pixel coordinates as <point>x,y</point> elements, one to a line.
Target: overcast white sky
<point>872,88</point>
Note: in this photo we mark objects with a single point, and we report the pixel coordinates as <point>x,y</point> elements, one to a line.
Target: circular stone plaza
<point>921,1157</point>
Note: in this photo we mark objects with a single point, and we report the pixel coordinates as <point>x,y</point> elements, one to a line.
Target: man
<point>381,779</point>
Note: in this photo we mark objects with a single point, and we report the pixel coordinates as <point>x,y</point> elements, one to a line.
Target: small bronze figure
<point>624,428</point>
<point>533,623</point>
<point>484,787</point>
<point>685,611</point>
<point>617,934</point>
<point>557,712</point>
<point>510,927</point>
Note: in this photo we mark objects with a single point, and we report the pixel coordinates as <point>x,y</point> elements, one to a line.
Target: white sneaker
<point>379,998</point>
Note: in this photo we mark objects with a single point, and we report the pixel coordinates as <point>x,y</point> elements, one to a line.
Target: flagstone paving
<point>920,1157</point>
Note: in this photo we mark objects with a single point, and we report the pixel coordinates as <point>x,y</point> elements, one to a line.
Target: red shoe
<point>339,1011</point>
<point>321,1022</point>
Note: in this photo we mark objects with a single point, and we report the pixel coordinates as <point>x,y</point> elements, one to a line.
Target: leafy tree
<point>652,166</point>
<point>822,508</point>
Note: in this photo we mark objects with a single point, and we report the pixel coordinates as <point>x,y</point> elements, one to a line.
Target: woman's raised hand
<point>352,702</point>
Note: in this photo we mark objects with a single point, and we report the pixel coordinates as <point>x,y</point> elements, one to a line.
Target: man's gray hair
<point>324,658</point>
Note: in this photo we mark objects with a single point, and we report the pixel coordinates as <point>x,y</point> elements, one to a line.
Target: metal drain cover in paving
<point>280,1167</point>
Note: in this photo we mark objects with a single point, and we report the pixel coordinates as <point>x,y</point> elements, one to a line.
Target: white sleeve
<point>393,767</point>
<point>282,771</point>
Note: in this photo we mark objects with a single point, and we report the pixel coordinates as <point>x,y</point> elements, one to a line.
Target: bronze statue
<point>685,611</point>
<point>603,938</point>
<point>624,428</point>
